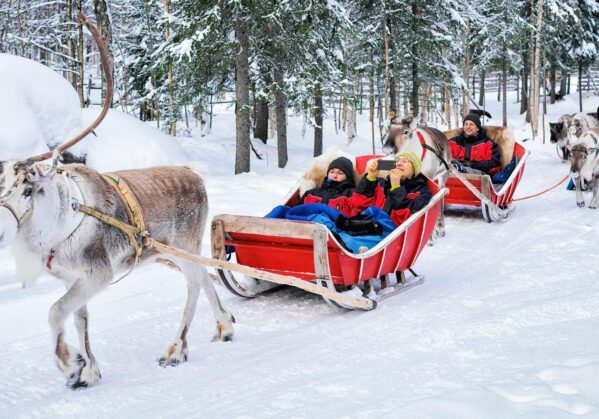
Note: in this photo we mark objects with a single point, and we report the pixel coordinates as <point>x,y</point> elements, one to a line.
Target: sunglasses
<point>403,160</point>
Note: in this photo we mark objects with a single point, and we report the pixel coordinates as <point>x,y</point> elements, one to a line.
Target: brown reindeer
<point>560,133</point>
<point>585,165</point>
<point>41,213</point>
<point>87,253</point>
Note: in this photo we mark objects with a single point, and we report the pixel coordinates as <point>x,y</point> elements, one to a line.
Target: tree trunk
<point>103,19</point>
<point>563,89</point>
<point>447,106</point>
<point>371,109</point>
<point>280,110</point>
<point>261,120</point>
<point>466,70</point>
<point>580,86</point>
<point>481,89</point>
<point>70,45</point>
<point>415,81</point>
<point>272,122</point>
<point>386,45</point>
<point>552,83</point>
<point>80,60</point>
<point>242,99</point>
<point>172,113</point>
<point>504,87</point>
<point>536,71</point>
<point>524,85</point>
<point>318,112</point>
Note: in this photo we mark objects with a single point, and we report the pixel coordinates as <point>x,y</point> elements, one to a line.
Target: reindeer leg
<point>579,196</point>
<point>595,198</point>
<point>68,359</point>
<point>224,319</point>
<point>90,373</point>
<point>177,351</point>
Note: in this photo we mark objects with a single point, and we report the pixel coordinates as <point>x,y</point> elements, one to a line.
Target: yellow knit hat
<point>416,163</point>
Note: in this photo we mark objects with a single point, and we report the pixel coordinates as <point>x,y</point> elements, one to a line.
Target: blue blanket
<point>323,214</point>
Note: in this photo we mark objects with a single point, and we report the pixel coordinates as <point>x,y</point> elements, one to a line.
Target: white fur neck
<point>55,214</point>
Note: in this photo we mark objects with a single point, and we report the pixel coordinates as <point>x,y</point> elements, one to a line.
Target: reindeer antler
<point>106,67</point>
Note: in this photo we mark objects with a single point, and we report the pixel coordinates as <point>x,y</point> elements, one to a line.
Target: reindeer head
<point>578,126</point>
<point>399,131</point>
<point>19,182</point>
<point>583,151</point>
<point>556,131</point>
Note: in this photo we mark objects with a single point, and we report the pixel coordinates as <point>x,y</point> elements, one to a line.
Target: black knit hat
<point>474,118</point>
<point>345,165</point>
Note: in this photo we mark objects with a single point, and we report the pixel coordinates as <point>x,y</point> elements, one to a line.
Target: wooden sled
<point>494,200</point>
<point>309,253</point>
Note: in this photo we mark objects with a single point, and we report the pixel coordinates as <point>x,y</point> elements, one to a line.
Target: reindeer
<point>585,164</point>
<point>42,212</point>
<point>581,123</point>
<point>430,144</point>
<point>560,133</point>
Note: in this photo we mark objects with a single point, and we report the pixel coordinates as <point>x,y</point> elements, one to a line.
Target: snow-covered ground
<point>506,324</point>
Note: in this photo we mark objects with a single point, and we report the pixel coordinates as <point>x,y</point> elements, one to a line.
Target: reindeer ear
<point>38,171</point>
<point>413,123</point>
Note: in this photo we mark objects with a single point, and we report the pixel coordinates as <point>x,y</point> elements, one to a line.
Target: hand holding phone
<point>386,164</point>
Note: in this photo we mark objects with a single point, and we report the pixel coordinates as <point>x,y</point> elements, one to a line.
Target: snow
<point>38,108</point>
<point>504,326</point>
<point>124,142</point>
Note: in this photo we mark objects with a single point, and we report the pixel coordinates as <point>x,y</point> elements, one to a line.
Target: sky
<point>505,324</point>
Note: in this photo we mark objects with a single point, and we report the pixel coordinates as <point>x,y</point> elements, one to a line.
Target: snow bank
<point>38,108</point>
<point>124,142</point>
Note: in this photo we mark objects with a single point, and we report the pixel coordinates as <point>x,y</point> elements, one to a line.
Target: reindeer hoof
<point>77,384</point>
<point>86,376</point>
<point>580,204</point>
<point>593,206</point>
<point>224,330</point>
<point>175,354</point>
<point>171,362</point>
<point>224,338</point>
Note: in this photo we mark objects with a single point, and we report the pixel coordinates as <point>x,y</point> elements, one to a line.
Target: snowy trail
<point>503,326</point>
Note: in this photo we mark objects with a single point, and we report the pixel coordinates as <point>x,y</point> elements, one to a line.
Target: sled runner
<point>494,199</point>
<point>309,253</point>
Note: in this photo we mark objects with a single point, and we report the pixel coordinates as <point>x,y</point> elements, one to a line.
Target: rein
<point>14,213</point>
<point>543,191</point>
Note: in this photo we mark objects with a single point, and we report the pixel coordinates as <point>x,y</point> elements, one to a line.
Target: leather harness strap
<point>136,216</point>
<point>134,231</point>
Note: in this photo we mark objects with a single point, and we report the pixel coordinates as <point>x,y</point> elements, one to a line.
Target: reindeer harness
<point>137,228</point>
<point>134,231</point>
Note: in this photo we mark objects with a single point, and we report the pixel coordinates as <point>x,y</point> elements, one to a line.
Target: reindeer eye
<point>27,192</point>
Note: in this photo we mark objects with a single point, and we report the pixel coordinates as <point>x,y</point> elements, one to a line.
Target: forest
<point>175,59</point>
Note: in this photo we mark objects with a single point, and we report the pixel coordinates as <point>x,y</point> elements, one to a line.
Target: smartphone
<point>386,164</point>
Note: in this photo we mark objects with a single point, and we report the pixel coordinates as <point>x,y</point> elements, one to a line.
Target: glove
<point>458,166</point>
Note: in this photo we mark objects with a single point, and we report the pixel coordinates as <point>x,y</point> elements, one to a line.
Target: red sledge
<point>478,190</point>
<point>306,255</point>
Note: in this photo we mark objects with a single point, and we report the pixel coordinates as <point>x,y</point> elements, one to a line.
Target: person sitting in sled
<point>337,188</point>
<point>402,193</point>
<point>473,151</point>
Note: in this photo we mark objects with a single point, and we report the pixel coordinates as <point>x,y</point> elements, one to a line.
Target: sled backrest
<point>500,135</point>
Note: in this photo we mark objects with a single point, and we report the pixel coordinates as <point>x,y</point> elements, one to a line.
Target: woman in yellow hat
<point>403,192</point>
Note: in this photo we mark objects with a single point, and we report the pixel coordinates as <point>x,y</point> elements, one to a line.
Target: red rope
<point>542,192</point>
